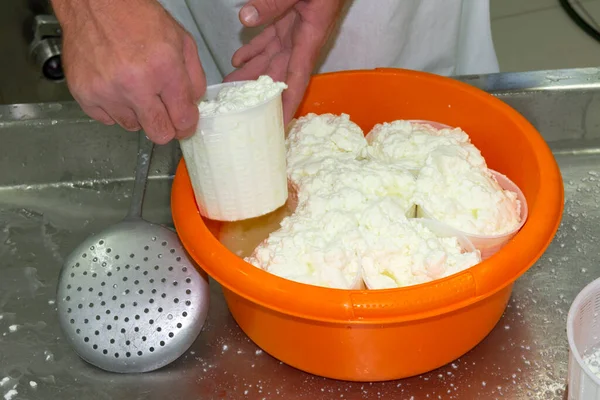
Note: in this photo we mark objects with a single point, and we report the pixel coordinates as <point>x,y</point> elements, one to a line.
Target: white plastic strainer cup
<point>491,244</point>
<point>583,333</point>
<point>236,160</point>
<point>358,283</point>
<point>440,230</point>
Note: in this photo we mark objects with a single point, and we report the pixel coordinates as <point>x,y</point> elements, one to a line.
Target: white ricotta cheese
<point>408,144</point>
<point>314,138</point>
<point>402,252</point>
<point>355,198</point>
<point>311,251</point>
<point>350,221</point>
<point>352,185</point>
<point>451,190</point>
<point>241,97</point>
<point>377,243</point>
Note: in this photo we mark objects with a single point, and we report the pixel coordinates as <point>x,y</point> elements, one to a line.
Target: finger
<point>259,12</point>
<point>298,76</point>
<point>155,120</point>
<point>278,66</point>
<point>194,68</point>
<point>256,46</point>
<point>297,82</point>
<point>300,66</point>
<point>123,116</point>
<point>179,101</point>
<point>98,114</point>
<point>251,70</point>
<point>259,64</point>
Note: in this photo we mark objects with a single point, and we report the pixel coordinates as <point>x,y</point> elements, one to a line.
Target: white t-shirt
<point>445,37</point>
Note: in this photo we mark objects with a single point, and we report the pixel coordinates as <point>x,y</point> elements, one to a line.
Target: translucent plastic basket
<point>583,333</point>
<point>491,244</point>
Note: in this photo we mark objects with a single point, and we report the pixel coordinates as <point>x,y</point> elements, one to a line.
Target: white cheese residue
<point>10,394</point>
<point>7,382</point>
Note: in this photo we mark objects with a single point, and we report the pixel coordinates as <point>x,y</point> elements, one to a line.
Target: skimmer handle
<point>145,148</point>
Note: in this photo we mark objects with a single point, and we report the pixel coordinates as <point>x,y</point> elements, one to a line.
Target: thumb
<point>259,12</point>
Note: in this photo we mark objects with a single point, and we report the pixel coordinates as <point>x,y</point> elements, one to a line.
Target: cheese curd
<point>353,184</point>
<point>312,251</point>
<point>322,242</point>
<point>378,244</point>
<point>451,190</point>
<point>354,220</point>
<point>404,254</point>
<point>409,144</point>
<point>314,138</point>
<point>241,97</point>
<point>350,224</point>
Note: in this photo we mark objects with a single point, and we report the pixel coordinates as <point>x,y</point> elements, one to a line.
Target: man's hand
<point>288,48</point>
<point>131,63</point>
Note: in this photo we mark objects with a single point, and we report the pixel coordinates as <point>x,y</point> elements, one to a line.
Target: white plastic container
<point>489,245</point>
<point>436,125</point>
<point>236,160</point>
<point>583,333</point>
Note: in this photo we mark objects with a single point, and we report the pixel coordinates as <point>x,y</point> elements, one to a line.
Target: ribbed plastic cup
<point>583,334</point>
<point>358,283</point>
<point>236,160</point>
<point>440,230</point>
<point>489,245</point>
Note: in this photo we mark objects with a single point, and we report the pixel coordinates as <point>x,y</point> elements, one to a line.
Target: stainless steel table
<point>63,177</point>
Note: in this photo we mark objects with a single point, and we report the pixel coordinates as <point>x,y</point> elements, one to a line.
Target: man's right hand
<point>131,63</point>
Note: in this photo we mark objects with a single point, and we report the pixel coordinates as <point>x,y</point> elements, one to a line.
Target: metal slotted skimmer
<point>129,298</point>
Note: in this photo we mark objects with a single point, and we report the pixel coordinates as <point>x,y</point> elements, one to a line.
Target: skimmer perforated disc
<point>130,299</point>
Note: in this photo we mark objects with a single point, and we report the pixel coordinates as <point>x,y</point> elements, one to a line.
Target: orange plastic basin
<point>394,333</point>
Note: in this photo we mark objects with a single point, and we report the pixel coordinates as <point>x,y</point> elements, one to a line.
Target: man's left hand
<point>288,47</point>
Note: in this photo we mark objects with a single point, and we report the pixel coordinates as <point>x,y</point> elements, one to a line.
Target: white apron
<point>445,37</point>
